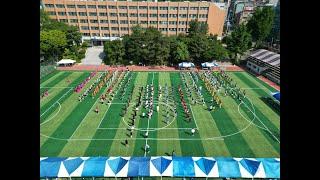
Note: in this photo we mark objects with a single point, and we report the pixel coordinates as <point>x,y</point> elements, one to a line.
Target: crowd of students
<point>79,87</point>
<point>89,89</point>
<point>44,94</point>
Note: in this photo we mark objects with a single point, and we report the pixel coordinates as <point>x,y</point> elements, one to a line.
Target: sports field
<point>69,127</point>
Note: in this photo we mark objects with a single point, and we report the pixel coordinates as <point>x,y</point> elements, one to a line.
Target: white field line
<point>145,152</point>
<point>263,124</point>
<point>57,87</point>
<point>103,116</point>
<point>52,116</point>
<point>56,102</point>
<point>149,128</point>
<point>194,118</point>
<point>83,119</point>
<point>119,139</point>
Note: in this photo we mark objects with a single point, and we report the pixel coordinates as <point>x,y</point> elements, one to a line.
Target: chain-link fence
<point>47,68</point>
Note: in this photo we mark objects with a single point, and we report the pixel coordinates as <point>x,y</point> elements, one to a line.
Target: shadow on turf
<point>273,105</point>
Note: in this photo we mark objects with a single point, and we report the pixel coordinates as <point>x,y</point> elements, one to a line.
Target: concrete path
<point>94,56</point>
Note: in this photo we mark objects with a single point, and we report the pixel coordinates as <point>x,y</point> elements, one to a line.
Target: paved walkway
<point>94,56</point>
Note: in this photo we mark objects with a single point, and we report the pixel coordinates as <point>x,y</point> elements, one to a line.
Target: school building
<point>100,20</point>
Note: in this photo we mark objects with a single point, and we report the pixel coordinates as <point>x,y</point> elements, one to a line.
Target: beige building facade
<point>105,19</point>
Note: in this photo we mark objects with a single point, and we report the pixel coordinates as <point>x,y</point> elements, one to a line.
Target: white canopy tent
<point>66,62</point>
<point>209,65</point>
<point>186,65</point>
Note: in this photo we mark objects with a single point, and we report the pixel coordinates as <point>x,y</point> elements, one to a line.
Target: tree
<point>114,52</point>
<point>134,45</point>
<point>238,42</point>
<point>52,43</point>
<point>198,47</point>
<point>73,35</point>
<point>178,51</point>
<point>260,24</point>
<point>197,28</point>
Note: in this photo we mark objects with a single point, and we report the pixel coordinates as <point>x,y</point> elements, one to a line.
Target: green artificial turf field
<point>238,129</point>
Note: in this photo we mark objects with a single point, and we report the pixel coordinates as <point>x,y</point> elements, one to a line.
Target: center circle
<point>153,129</point>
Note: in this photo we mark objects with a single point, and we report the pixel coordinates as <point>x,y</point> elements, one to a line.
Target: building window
<point>174,8</point>
<point>85,27</point>
<point>133,22</point>
<point>204,8</point>
<point>114,28</point>
<point>203,15</point>
<point>112,7</point>
<point>163,8</point>
<point>73,20</point>
<point>102,6</point>
<point>143,7</point>
<point>72,13</point>
<point>59,5</point>
<point>92,14</point>
<point>153,15</point>
<point>82,13</point>
<point>123,14</point>
<point>183,15</point>
<point>83,21</point>
<point>92,6</point>
<point>93,21</point>
<point>113,21</point>
<point>61,13</point>
<point>183,8</point>
<point>153,22</point>
<point>115,35</point>
<point>163,29</point>
<point>133,15</point>
<point>49,5</point>
<point>51,13</point>
<point>95,34</point>
<point>132,7</point>
<point>172,22</point>
<point>194,8</point>
<point>104,21</point>
<point>172,29</point>
<point>71,6</point>
<point>182,22</point>
<point>192,16</point>
<point>64,20</point>
<point>143,22</point>
<point>81,6</point>
<point>106,35</point>
<point>163,22</point>
<point>113,14</point>
<point>173,15</point>
<point>86,34</point>
<point>123,22</point>
<point>153,7</point>
<point>124,29</point>
<point>122,7</point>
<point>103,14</point>
<point>143,15</point>
<point>164,15</point>
<point>94,28</point>
<point>181,29</point>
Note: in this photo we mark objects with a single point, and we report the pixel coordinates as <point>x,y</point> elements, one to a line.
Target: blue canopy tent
<point>158,166</point>
<point>276,96</point>
<point>209,65</point>
<point>186,65</point>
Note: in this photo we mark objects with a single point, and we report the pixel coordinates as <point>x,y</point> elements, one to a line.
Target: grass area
<point>72,128</point>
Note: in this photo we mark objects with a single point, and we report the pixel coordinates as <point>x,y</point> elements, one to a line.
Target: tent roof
<point>186,64</point>
<point>157,166</point>
<point>66,61</point>
<point>209,64</point>
<point>276,95</point>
